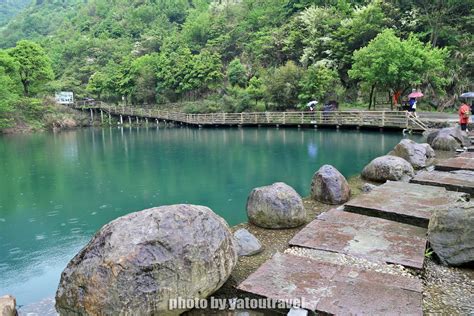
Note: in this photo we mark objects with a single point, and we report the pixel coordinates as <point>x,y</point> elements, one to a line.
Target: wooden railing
<point>391,119</point>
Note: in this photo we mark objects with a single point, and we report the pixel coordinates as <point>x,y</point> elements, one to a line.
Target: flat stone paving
<point>371,238</point>
<point>335,289</point>
<point>403,202</point>
<point>458,163</point>
<point>459,180</point>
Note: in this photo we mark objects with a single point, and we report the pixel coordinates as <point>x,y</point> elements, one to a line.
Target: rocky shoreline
<point>445,289</point>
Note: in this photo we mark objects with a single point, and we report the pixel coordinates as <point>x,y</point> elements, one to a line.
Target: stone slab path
<point>403,202</point>
<point>459,180</point>
<point>371,238</point>
<point>335,289</point>
<point>457,163</point>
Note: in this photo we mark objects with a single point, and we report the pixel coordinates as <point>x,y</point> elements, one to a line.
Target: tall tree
<point>34,66</point>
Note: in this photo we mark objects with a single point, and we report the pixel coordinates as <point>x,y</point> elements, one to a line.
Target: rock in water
<point>247,244</point>
<point>451,234</point>
<point>448,139</point>
<point>418,155</point>
<point>388,167</point>
<point>329,186</point>
<point>139,262</point>
<point>276,206</point>
<point>7,306</point>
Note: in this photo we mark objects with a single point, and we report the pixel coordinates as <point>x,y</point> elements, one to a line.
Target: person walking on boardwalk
<point>464,116</point>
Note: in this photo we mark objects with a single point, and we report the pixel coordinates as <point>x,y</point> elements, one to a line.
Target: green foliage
<point>34,66</point>
<point>391,63</point>
<point>236,73</point>
<point>276,52</point>
<point>281,86</point>
<point>318,83</point>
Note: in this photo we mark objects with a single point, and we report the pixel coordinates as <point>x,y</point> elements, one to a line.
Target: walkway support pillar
<point>121,120</point>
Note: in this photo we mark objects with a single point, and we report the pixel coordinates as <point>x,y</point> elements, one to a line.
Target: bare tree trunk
<point>371,96</point>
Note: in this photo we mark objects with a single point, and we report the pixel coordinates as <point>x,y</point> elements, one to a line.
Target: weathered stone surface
<point>459,180</point>
<point>451,234</point>
<point>448,139</point>
<point>138,262</point>
<point>246,243</point>
<point>297,312</point>
<point>367,187</point>
<point>458,163</point>
<point>388,167</point>
<point>276,206</point>
<point>418,155</point>
<point>404,202</point>
<point>329,186</point>
<point>367,237</point>
<point>7,306</point>
<point>335,289</point>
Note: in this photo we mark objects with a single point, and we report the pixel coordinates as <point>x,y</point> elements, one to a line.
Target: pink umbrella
<point>415,94</point>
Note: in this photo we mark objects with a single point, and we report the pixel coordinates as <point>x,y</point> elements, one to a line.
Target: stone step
<point>459,180</point>
<point>335,289</point>
<point>403,202</point>
<point>457,163</point>
<point>470,149</point>
<point>371,238</point>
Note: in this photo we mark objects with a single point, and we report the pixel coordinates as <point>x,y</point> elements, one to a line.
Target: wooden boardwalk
<point>357,119</point>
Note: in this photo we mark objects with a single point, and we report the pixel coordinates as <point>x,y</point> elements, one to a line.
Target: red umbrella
<point>415,94</point>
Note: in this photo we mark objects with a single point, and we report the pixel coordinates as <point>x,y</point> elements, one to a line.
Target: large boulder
<point>139,263</point>
<point>418,155</point>
<point>7,306</point>
<point>329,186</point>
<point>246,243</point>
<point>451,234</point>
<point>276,206</point>
<point>388,167</point>
<point>448,139</point>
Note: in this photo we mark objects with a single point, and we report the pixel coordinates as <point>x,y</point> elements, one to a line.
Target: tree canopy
<point>276,53</point>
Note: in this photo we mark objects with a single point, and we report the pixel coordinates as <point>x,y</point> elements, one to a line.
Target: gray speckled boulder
<point>448,139</point>
<point>8,306</point>
<point>418,155</point>
<point>388,167</point>
<point>276,206</point>
<point>138,262</point>
<point>329,186</point>
<point>451,234</point>
<point>246,243</point>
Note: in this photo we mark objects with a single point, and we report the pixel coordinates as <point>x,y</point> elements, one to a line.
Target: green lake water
<point>57,190</point>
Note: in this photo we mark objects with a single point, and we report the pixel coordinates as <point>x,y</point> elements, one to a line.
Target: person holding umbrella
<point>413,96</point>
<point>311,105</point>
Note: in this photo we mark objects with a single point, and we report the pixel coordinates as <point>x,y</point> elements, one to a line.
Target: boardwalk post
<point>110,119</point>
<point>121,120</point>
<point>101,117</point>
<point>138,121</point>
<point>92,116</point>
<point>130,120</point>
<point>302,117</point>
<point>284,117</point>
<point>383,118</point>
<point>241,118</point>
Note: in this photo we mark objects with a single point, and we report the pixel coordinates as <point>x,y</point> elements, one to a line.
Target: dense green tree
<point>34,66</point>
<point>388,62</point>
<point>318,83</point>
<point>236,73</point>
<point>8,87</point>
<point>282,86</point>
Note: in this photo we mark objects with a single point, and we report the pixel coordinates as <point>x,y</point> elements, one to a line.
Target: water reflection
<point>56,190</point>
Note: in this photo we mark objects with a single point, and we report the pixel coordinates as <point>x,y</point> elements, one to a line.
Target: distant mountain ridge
<point>10,8</point>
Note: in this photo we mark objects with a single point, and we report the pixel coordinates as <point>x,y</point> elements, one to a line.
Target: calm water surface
<point>57,190</point>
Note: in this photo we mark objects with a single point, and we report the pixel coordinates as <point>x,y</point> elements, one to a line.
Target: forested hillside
<point>9,8</point>
<point>251,54</point>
